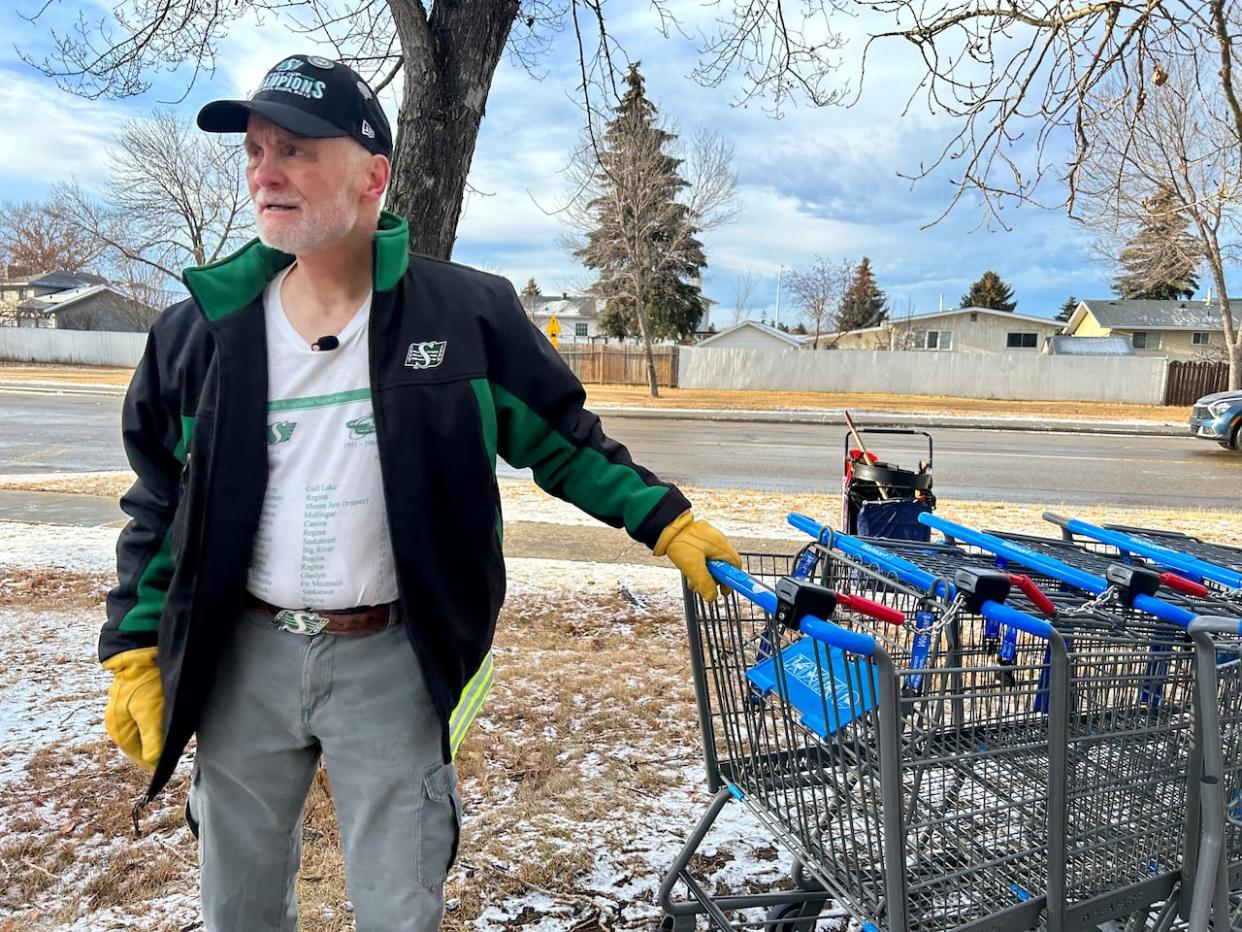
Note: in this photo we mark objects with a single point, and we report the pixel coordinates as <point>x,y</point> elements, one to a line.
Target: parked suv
<point>1219,417</point>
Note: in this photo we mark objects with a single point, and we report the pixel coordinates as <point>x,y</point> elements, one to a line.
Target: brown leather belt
<point>346,622</point>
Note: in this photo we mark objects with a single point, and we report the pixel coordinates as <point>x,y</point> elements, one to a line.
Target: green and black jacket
<point>194,426</point>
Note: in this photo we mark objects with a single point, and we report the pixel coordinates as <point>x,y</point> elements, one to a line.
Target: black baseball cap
<point>309,96</point>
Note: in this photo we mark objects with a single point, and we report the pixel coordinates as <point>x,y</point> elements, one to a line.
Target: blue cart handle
<point>746,585</point>
<point>996,611</point>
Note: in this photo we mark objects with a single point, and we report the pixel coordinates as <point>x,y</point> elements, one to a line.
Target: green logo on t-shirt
<point>280,432</point>
<point>361,426</point>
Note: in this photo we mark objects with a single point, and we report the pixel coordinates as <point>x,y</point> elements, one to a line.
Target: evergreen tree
<point>644,245</point>
<point>1159,262</point>
<point>1067,309</point>
<point>531,290</point>
<point>863,304</point>
<point>990,291</point>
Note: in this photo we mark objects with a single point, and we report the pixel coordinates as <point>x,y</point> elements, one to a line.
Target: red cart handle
<point>1182,584</point>
<point>1033,592</point>
<point>874,609</point>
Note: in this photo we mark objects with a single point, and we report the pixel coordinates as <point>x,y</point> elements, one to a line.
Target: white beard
<point>316,228</point>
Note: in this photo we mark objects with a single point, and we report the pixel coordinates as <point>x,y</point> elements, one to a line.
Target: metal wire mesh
<point>973,741</point>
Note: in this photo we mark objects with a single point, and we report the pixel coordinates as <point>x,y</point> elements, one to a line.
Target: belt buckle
<point>300,622</point>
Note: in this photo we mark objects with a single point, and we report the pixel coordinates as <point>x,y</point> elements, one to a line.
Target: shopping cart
<point>1174,708</point>
<point>1222,554</point>
<point>1207,564</point>
<point>908,771</point>
<point>1175,585</point>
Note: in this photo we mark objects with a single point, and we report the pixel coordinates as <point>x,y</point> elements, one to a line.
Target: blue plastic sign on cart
<point>811,669</point>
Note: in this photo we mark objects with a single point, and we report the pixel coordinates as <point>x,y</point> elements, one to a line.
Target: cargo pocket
<point>441,825</point>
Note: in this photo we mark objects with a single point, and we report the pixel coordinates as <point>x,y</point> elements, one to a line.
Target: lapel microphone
<point>323,344</point>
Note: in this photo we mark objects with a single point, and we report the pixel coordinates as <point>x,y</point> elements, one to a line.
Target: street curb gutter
<point>829,416</point>
<point>891,419</point>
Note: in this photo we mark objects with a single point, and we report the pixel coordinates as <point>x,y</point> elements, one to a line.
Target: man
<point>315,433</point>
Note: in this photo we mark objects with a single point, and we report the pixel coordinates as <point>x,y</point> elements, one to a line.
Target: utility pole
<point>779,272</point>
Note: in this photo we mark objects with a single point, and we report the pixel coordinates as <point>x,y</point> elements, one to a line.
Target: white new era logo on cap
<point>367,131</point>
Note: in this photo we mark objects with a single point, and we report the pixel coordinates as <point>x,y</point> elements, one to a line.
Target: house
<point>87,307</point>
<point>957,330</point>
<point>1176,329</point>
<point>1065,345</point>
<point>19,287</point>
<point>578,316</point>
<point>750,334</point>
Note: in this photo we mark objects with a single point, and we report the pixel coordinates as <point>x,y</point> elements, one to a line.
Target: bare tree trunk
<point>449,64</point>
<point>1233,337</point>
<point>640,296</point>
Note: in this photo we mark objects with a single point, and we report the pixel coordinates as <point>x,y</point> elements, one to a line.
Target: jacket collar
<point>232,283</point>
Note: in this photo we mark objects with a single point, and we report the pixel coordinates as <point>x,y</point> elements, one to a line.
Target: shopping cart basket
<point>906,771</point>
<point>1174,710</point>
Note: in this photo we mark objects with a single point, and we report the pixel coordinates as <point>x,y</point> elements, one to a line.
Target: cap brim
<point>231,116</point>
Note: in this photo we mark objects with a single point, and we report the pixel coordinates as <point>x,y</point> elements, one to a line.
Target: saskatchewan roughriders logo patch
<point>425,355</point>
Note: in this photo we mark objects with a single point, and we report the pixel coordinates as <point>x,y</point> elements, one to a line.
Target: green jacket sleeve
<point>542,424</point>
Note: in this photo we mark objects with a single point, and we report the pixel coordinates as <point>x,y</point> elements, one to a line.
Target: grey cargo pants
<point>280,701</point>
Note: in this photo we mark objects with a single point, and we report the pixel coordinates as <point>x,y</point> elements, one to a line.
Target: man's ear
<point>379,171</point>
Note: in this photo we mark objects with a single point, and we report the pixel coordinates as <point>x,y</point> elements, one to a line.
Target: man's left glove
<point>135,713</point>
<point>690,544</point>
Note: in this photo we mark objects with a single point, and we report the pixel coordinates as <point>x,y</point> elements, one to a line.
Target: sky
<point>817,182</point>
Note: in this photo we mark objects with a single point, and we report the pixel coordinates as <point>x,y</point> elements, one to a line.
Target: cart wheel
<point>793,917</point>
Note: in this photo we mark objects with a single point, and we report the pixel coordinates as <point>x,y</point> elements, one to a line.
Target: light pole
<point>779,272</point>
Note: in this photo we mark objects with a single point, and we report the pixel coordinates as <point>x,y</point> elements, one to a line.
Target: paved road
<point>41,433</point>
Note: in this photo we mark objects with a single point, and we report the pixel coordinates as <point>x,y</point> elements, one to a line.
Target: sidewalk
<point>869,409</point>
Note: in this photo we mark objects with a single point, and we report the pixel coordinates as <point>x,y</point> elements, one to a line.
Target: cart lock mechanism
<point>1132,581</point>
<point>797,598</point>
<point>979,586</point>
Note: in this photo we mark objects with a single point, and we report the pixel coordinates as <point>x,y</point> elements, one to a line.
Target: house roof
<point>49,304</point>
<point>59,281</point>
<point>1155,315</point>
<point>584,307</point>
<point>950,312</point>
<point>791,339</point>
<point>1063,345</point>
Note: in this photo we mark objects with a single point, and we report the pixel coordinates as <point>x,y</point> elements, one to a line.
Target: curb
<point>891,419</point>
<point>60,388</point>
<point>832,416</point>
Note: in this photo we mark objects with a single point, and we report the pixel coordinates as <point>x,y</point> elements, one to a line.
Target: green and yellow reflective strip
<point>471,702</point>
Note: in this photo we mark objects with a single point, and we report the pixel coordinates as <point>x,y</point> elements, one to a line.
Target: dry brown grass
<point>74,375</point>
<point>111,484</point>
<point>70,833</point>
<point>48,588</point>
<point>637,396</point>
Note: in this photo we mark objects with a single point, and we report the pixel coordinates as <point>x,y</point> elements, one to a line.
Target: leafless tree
<point>447,54</point>
<point>744,287</point>
<point>33,239</point>
<point>1023,80</point>
<point>174,197</point>
<point>1182,143</point>
<point>617,198</point>
<point>817,290</point>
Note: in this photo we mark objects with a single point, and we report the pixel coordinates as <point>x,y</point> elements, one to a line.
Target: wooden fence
<point>621,365</point>
<point>1189,381</point>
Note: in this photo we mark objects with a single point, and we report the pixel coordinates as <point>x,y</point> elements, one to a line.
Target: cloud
<point>51,134</point>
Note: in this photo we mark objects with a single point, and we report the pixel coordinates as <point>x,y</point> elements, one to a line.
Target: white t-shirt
<point>323,537</point>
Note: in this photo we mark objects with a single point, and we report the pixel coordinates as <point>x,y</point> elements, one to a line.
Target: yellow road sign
<point>554,332</point>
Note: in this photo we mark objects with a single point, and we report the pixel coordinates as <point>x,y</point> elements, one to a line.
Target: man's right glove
<point>135,713</point>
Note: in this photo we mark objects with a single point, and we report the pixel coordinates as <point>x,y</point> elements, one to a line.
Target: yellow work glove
<point>135,713</point>
<point>690,544</point>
